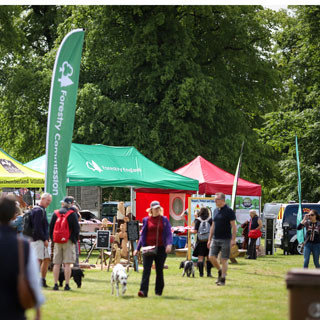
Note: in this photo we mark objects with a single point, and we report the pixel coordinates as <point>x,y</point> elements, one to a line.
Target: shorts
<point>64,253</point>
<point>222,245</point>
<point>42,252</point>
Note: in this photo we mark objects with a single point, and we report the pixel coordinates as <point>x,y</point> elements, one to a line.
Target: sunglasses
<point>312,215</point>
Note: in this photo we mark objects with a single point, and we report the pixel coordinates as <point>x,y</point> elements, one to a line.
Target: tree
<point>177,81</point>
<point>26,66</point>
<point>298,58</point>
<point>173,81</point>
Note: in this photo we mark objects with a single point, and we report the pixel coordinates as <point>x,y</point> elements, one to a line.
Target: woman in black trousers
<point>255,223</point>
<point>156,231</point>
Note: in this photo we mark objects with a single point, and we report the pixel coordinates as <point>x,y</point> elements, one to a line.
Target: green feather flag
<point>300,233</point>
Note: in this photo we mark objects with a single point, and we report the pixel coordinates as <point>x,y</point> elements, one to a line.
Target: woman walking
<point>202,227</point>
<point>312,243</point>
<point>254,224</point>
<point>156,231</point>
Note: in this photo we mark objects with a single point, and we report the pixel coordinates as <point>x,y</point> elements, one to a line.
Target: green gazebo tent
<point>107,166</point>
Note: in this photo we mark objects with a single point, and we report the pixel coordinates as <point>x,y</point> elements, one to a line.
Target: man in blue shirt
<point>222,236</point>
<point>40,234</point>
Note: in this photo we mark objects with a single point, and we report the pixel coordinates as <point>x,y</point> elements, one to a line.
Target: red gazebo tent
<point>212,179</point>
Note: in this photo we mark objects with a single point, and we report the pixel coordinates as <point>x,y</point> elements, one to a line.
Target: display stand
<point>103,242</point>
<point>133,236</point>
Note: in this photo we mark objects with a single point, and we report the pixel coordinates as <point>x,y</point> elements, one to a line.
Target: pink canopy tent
<point>212,179</point>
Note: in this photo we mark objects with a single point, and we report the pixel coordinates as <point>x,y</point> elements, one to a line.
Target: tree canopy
<point>175,82</point>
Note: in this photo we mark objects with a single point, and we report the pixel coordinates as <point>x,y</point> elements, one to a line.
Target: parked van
<point>288,213</point>
<point>269,209</point>
<point>109,209</point>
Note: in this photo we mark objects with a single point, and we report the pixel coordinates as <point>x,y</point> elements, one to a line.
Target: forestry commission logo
<point>93,166</point>
<point>66,72</point>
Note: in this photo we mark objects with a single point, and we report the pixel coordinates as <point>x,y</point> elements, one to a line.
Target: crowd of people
<point>216,234</point>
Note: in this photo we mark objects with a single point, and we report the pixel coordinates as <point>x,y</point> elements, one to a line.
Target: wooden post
<point>113,233</point>
<point>102,259</point>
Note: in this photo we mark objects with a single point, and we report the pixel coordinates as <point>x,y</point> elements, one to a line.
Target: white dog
<point>119,275</point>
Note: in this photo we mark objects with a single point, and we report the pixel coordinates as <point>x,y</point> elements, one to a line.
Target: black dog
<point>76,273</point>
<point>188,268</point>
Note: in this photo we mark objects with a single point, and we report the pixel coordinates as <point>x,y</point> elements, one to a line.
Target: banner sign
<point>300,233</point>
<point>63,95</point>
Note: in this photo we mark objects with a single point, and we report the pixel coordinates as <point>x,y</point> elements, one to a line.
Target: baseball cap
<point>154,204</point>
<point>67,200</point>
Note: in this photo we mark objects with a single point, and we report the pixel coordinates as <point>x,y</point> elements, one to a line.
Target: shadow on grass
<point>176,298</point>
<point>127,297</point>
<point>96,280</point>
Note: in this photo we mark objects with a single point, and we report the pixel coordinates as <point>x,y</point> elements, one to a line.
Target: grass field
<point>255,289</point>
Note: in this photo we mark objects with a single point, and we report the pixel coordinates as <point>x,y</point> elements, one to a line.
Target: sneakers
<point>56,287</point>
<point>222,282</point>
<point>44,283</point>
<point>141,294</point>
<point>219,276</point>
<point>67,288</point>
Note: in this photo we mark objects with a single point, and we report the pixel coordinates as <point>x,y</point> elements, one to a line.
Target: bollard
<point>304,294</point>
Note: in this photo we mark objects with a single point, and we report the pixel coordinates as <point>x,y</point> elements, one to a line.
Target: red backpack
<point>61,231</point>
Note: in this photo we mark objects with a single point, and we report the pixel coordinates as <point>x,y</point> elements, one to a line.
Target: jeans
<point>159,260</point>
<point>252,250</point>
<point>315,249</point>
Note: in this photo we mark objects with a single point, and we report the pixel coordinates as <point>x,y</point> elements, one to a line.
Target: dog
<point>76,273</point>
<point>188,268</point>
<point>119,276</point>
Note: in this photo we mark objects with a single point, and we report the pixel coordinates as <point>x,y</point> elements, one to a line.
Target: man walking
<point>221,239</point>
<point>40,234</point>
<point>64,245</point>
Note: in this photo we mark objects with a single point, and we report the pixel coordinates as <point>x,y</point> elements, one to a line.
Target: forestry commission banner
<point>63,96</point>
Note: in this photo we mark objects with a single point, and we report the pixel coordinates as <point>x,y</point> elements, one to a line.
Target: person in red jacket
<point>65,252</point>
<point>156,231</point>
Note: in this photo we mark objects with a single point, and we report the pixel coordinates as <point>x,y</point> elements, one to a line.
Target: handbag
<point>255,234</point>
<point>25,294</point>
<point>150,251</point>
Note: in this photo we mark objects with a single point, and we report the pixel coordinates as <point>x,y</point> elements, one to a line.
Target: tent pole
<point>133,208</point>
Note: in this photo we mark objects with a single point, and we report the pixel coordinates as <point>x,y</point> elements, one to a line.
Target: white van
<point>269,209</point>
<point>288,213</point>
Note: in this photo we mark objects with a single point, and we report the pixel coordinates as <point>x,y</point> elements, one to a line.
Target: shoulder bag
<point>148,251</point>
<point>255,233</point>
<point>25,294</point>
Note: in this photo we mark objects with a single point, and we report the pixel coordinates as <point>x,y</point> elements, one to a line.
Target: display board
<point>103,239</point>
<point>133,230</point>
<point>196,203</point>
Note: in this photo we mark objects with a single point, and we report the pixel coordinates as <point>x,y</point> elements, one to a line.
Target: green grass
<point>255,289</point>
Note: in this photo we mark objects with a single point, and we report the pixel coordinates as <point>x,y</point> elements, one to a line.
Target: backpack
<point>27,222</point>
<point>61,230</point>
<point>204,230</point>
